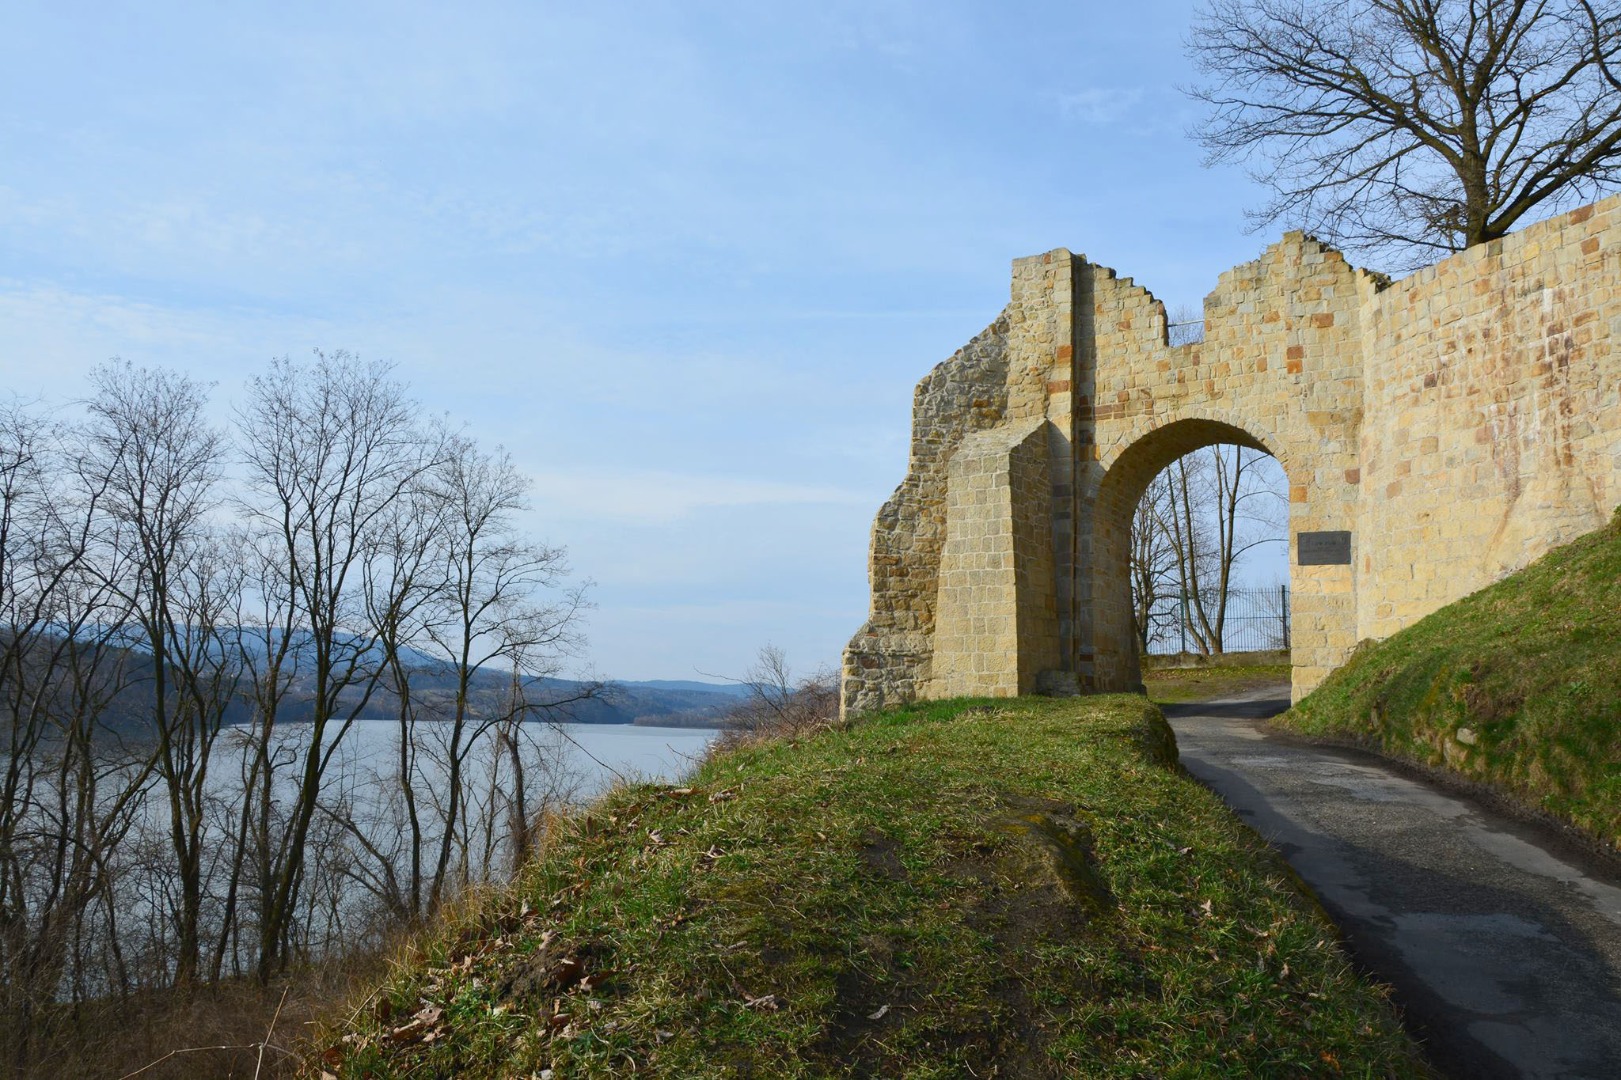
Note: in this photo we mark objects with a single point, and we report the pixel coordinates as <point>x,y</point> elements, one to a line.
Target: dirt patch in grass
<point>1017,889</point>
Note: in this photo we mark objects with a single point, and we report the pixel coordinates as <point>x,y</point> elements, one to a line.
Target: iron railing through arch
<point>1256,619</point>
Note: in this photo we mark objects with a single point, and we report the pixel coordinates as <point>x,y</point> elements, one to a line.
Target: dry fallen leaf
<point>406,1032</point>
<point>595,980</point>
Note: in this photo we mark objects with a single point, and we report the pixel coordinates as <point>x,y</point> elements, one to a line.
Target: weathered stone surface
<point>1457,423</point>
<point>995,617</point>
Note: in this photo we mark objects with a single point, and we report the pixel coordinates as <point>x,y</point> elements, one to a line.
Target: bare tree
<point>70,786</point>
<point>149,650</point>
<point>494,607</point>
<point>147,440</point>
<point>778,701</point>
<point>1184,325</point>
<point>405,591</point>
<point>330,448</point>
<point>1410,127</point>
<point>1153,565</point>
<point>1193,525</point>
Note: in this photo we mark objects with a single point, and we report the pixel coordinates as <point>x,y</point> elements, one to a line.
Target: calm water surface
<point>586,758</point>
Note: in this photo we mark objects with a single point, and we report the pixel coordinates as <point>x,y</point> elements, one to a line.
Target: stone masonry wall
<point>1279,369</point>
<point>889,659</point>
<point>1457,424</point>
<point>995,620</point>
<point>1493,428</point>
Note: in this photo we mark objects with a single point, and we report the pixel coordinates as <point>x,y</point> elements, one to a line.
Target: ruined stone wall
<point>1279,369</point>
<point>996,624</point>
<point>890,658</point>
<point>1456,425</point>
<point>1493,406</point>
<point>1041,383</point>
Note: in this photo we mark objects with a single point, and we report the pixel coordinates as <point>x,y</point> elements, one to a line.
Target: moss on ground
<point>1517,687</point>
<point>1013,889</point>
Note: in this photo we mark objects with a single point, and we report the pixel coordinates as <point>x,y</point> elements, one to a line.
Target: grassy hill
<point>1517,686</point>
<point>1014,889</point>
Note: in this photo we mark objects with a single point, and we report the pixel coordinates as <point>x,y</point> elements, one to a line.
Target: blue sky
<point>685,260</point>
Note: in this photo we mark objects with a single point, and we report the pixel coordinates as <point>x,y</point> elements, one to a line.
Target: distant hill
<point>655,702</point>
<point>737,690</point>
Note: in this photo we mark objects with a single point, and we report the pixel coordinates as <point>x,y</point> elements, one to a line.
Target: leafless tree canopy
<point>778,702</point>
<point>193,619</point>
<point>1192,527</point>
<point>1406,129</point>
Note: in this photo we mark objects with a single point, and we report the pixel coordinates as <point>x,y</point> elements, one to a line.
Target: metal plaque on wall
<point>1323,549</point>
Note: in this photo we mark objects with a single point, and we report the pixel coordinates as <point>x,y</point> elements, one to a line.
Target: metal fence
<point>1256,619</point>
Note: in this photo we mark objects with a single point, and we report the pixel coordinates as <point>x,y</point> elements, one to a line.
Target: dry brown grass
<point>233,1029</point>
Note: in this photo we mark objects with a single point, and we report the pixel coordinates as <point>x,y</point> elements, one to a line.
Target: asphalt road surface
<point>1502,940</point>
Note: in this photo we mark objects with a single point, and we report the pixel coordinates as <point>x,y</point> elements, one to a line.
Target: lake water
<point>579,760</point>
<point>600,754</point>
<point>359,852</point>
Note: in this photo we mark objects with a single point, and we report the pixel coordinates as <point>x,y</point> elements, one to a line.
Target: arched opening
<point>1188,550</point>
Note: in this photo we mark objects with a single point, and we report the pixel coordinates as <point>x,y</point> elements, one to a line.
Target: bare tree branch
<point>1404,128</point>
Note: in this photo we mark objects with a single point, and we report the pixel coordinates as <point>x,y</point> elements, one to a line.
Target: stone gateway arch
<point>1438,432</point>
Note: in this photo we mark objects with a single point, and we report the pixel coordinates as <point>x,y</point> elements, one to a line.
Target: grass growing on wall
<point>1517,686</point>
<point>1019,889</point>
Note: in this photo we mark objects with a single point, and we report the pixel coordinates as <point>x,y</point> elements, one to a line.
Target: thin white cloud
<point>653,496</point>
<point>1099,104</point>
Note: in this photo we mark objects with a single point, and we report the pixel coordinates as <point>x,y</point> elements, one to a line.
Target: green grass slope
<point>963,889</point>
<point>1517,686</point>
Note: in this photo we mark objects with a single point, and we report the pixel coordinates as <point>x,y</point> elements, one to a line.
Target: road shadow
<point>1257,708</point>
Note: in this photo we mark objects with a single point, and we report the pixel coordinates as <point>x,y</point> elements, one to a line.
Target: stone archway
<point>1105,581</point>
<point>1437,433</point>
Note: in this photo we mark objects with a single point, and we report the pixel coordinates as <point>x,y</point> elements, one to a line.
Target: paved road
<point>1503,942</point>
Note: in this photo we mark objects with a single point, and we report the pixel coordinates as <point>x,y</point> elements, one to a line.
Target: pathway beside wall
<point>1502,941</point>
